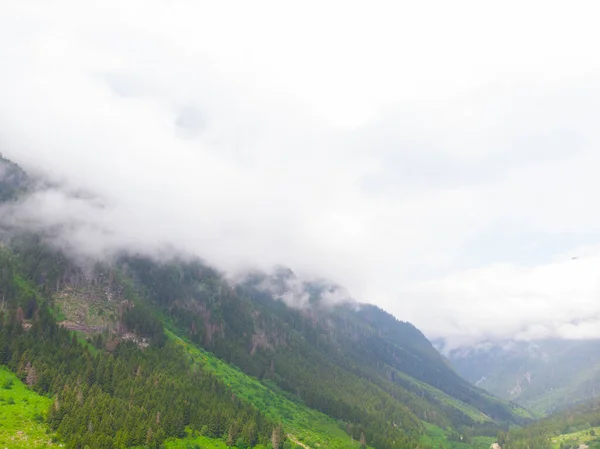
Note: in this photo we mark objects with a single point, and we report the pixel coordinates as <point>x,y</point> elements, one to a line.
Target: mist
<point>447,177</point>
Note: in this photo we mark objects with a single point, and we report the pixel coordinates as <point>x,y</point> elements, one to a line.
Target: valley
<point>543,376</point>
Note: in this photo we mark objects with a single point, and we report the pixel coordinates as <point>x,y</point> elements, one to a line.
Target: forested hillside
<point>118,346</point>
<point>568,429</point>
<point>124,397</point>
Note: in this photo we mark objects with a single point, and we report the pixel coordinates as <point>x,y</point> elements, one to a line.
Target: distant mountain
<point>543,375</point>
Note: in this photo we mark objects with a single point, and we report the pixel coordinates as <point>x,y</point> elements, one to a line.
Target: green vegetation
<point>308,426</point>
<point>361,367</point>
<point>446,399</point>
<point>567,429</point>
<point>196,442</point>
<point>276,364</point>
<point>22,415</point>
<point>438,438</point>
<point>122,398</point>
<point>589,437</point>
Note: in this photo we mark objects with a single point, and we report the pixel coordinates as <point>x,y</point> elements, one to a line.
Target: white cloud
<point>370,145</point>
<point>557,299</point>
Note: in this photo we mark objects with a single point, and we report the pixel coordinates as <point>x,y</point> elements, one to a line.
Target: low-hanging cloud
<point>442,180</point>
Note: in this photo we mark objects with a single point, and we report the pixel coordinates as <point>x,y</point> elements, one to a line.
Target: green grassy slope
<point>589,437</point>
<point>197,442</point>
<point>436,438</point>
<point>312,428</point>
<point>22,415</point>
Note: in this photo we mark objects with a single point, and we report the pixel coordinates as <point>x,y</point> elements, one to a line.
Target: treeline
<point>130,397</point>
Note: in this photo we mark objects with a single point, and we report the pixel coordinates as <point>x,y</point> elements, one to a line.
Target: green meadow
<point>22,415</point>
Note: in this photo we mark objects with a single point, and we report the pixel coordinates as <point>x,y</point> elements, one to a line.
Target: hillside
<point>544,375</point>
<point>186,354</point>
<point>574,428</point>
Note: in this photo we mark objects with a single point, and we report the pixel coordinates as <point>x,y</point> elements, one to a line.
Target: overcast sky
<point>439,159</point>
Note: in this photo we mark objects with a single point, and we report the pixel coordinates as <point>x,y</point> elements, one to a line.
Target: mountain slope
<point>544,375</point>
<point>108,395</point>
<point>93,333</point>
<point>348,351</point>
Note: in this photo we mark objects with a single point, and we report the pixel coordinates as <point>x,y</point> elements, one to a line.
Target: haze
<point>437,159</point>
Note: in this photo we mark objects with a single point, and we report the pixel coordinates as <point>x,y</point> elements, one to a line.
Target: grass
<point>574,439</point>
<point>22,415</point>
<point>198,442</point>
<point>308,426</point>
<point>436,437</point>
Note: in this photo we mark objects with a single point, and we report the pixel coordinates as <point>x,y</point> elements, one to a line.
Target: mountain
<point>13,180</point>
<point>136,351</point>
<point>543,375</point>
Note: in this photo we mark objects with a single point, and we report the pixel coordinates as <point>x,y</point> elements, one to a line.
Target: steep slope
<point>544,375</point>
<point>111,390</point>
<point>404,348</point>
<point>336,359</point>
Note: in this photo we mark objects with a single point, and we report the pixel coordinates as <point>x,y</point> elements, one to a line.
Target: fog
<point>440,162</point>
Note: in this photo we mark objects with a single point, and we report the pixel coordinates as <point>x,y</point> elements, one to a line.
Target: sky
<point>438,159</point>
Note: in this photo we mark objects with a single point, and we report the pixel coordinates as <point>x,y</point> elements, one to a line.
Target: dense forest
<point>123,398</point>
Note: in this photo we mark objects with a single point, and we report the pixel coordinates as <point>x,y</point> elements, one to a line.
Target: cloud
<point>557,299</point>
<point>421,156</point>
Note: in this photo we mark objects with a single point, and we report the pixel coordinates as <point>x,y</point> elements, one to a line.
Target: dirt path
<point>299,443</point>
